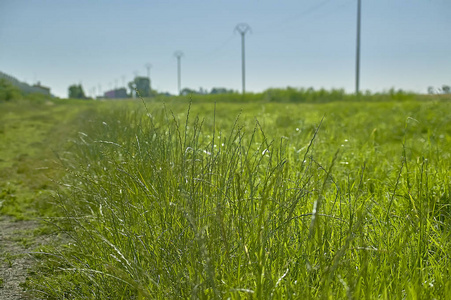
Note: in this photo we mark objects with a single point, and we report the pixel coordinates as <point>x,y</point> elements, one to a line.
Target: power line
<point>307,11</point>
<point>243,28</point>
<point>215,50</point>
<point>295,17</point>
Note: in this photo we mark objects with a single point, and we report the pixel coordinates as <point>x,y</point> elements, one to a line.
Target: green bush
<point>8,91</point>
<point>293,95</point>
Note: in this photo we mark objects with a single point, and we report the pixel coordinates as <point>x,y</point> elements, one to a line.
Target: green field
<point>254,200</point>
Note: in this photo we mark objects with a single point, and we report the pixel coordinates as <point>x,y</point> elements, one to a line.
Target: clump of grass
<point>168,205</point>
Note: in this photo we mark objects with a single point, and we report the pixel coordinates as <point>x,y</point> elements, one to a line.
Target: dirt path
<point>16,240</point>
<point>30,135</point>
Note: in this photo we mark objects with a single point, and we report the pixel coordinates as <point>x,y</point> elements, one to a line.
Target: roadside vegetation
<point>32,135</point>
<point>253,200</point>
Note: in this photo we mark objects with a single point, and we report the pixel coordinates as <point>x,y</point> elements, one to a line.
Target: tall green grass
<point>277,202</point>
<point>299,95</point>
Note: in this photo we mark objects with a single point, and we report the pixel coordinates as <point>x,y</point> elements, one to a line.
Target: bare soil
<point>16,243</point>
<point>30,135</point>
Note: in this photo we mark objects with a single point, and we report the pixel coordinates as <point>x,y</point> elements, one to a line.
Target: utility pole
<point>148,66</point>
<point>243,28</point>
<point>178,55</point>
<point>357,60</point>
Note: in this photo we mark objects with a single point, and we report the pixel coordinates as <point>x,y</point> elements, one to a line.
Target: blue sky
<point>406,44</point>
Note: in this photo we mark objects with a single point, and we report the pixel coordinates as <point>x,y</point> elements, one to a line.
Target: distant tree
<point>431,90</point>
<point>188,91</point>
<point>220,90</point>
<point>166,94</point>
<point>8,91</point>
<point>203,91</point>
<point>446,89</point>
<point>132,86</point>
<point>142,84</point>
<point>76,92</point>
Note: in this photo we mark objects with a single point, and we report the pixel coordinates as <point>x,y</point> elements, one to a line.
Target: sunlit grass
<point>256,201</point>
<point>32,133</point>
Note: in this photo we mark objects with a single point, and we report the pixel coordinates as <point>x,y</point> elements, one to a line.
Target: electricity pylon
<point>178,55</point>
<point>243,28</point>
<point>357,59</point>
